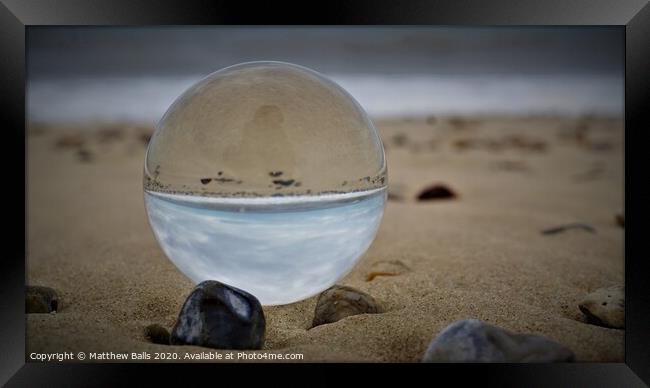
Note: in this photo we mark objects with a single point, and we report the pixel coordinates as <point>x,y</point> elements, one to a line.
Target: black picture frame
<point>633,16</point>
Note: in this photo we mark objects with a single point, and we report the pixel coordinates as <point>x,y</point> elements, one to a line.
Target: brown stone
<point>605,307</point>
<point>387,268</point>
<point>39,299</point>
<point>338,302</point>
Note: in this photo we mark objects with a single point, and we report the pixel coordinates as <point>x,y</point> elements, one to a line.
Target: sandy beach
<point>480,255</point>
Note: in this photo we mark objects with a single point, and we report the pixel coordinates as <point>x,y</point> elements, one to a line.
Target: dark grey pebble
<point>283,182</point>
<point>436,192</point>
<point>219,316</point>
<point>40,299</point>
<point>157,334</point>
<point>472,340</point>
<point>338,302</point>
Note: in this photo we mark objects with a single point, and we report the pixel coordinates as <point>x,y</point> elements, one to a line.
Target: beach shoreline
<point>481,255</point>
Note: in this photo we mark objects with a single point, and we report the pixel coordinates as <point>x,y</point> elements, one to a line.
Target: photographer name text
<point>165,356</point>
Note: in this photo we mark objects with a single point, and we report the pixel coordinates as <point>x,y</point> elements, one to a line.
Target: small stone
<point>563,228</point>
<point>144,135</point>
<point>620,220</point>
<point>106,135</point>
<point>40,299</point>
<point>605,307</point>
<point>523,142</point>
<point>457,122</point>
<point>338,302</point>
<point>472,340</point>
<point>283,182</point>
<point>157,334</point>
<point>387,268</point>
<point>400,139</point>
<point>70,141</point>
<point>463,144</point>
<point>220,316</point>
<point>84,155</point>
<point>436,192</point>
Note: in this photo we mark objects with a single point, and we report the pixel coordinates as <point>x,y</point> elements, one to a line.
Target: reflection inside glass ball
<point>266,176</point>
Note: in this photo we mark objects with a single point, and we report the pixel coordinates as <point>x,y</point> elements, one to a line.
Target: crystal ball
<point>266,176</point>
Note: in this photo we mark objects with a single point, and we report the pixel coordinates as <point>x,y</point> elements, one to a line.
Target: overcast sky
<point>135,73</point>
<point>122,51</point>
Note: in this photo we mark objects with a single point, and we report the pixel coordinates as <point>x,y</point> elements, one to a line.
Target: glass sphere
<point>266,176</point>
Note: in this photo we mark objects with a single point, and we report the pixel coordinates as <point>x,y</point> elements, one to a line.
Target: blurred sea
<point>144,99</point>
